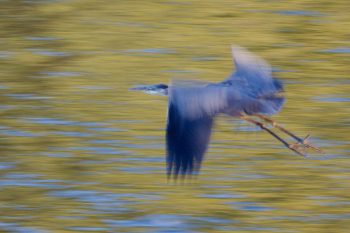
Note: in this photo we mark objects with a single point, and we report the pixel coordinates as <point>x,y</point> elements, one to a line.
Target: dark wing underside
<point>187,142</point>
<point>190,119</point>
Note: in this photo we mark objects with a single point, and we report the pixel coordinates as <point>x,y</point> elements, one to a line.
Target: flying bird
<point>250,93</point>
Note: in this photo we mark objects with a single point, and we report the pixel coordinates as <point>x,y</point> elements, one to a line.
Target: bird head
<point>157,89</point>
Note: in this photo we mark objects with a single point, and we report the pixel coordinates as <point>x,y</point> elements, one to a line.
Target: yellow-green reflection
<point>81,153</point>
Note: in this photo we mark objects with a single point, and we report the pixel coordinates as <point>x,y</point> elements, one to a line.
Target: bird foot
<point>303,144</point>
<point>300,145</point>
<point>298,148</point>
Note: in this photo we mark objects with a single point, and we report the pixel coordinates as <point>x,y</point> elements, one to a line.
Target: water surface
<point>79,153</point>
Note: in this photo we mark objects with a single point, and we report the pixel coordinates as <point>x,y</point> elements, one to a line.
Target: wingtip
<point>238,52</point>
<point>245,60</point>
<point>233,50</point>
<point>236,49</point>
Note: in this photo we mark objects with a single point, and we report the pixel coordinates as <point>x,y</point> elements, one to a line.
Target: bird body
<point>249,90</point>
<point>192,106</point>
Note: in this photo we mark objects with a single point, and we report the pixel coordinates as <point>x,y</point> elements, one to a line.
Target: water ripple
<point>30,180</point>
<point>250,206</point>
<point>27,96</point>
<point>337,50</point>
<point>13,227</point>
<point>48,53</point>
<point>222,196</point>
<point>151,51</point>
<point>100,201</point>
<point>60,74</point>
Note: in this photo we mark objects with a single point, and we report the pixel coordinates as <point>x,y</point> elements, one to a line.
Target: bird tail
<point>273,102</point>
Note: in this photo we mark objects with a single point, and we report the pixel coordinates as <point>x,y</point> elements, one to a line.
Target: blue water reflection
<point>99,201</point>
<point>50,53</point>
<point>337,50</point>
<point>27,96</point>
<point>13,227</point>
<point>30,180</point>
<point>167,223</point>
<point>152,51</point>
<point>37,38</point>
<point>59,74</point>
<point>329,98</point>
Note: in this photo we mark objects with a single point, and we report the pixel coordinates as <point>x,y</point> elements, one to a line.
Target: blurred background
<point>80,153</point>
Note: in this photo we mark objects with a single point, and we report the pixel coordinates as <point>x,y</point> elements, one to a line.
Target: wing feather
<point>197,100</point>
<point>260,91</point>
<point>190,120</point>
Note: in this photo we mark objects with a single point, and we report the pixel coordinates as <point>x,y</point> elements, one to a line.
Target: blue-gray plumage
<point>249,91</point>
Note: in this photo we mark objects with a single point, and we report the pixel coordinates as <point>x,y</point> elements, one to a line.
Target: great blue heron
<point>250,93</point>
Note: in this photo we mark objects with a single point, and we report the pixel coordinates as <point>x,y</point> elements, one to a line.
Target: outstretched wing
<point>260,91</point>
<point>187,142</point>
<point>190,119</point>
